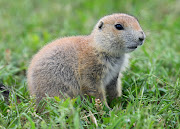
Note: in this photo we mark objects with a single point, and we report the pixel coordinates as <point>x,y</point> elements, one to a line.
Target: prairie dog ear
<point>100,25</point>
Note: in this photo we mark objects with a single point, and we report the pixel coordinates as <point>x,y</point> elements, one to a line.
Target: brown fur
<point>89,65</point>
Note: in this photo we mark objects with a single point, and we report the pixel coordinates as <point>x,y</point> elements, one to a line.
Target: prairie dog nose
<point>142,36</point>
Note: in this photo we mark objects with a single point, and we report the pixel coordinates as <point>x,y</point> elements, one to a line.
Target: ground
<point>151,84</point>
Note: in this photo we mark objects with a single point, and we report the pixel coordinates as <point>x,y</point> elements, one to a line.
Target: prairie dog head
<point>117,34</point>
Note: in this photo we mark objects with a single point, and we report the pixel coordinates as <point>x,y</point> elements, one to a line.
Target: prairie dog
<point>90,65</point>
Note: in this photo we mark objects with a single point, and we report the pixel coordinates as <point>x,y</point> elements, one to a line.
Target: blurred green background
<point>27,25</point>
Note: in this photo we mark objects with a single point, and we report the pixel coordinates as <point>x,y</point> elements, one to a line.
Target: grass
<point>151,84</point>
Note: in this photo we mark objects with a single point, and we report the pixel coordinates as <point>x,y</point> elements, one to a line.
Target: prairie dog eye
<point>119,27</point>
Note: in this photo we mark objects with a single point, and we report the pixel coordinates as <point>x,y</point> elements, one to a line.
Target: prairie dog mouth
<point>132,47</point>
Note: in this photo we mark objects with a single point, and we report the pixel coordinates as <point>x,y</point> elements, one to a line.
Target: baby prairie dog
<point>86,65</point>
